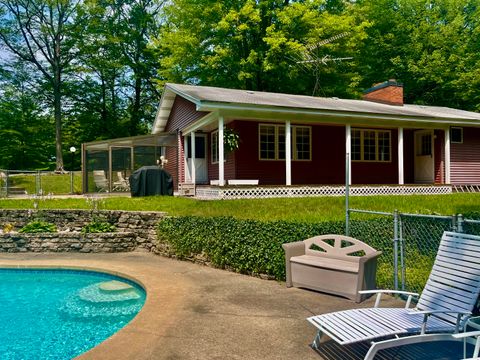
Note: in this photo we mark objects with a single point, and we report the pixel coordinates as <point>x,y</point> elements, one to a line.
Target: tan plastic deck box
<point>334,264</point>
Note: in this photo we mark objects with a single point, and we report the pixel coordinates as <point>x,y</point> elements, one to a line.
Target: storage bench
<point>334,264</point>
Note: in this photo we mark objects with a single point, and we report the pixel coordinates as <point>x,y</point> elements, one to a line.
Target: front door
<point>424,157</point>
<point>201,172</point>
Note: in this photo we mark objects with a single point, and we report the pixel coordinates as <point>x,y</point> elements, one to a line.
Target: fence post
<point>401,242</point>
<point>460,223</point>
<point>71,182</point>
<point>347,194</point>
<point>395,249</point>
<point>7,181</point>
<point>38,186</point>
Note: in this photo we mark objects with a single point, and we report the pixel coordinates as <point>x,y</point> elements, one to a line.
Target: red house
<point>379,139</point>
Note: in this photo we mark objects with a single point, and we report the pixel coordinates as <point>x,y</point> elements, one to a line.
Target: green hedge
<point>246,246</point>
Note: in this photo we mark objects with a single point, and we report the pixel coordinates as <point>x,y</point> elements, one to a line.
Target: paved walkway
<point>196,312</point>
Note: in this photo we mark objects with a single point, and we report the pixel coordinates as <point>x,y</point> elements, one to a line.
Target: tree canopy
<point>73,71</point>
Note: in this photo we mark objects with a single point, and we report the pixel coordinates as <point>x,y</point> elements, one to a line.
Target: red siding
<point>378,172</point>
<point>229,164</point>
<point>326,167</point>
<point>408,156</point>
<point>439,151</point>
<point>183,113</point>
<point>465,158</point>
<point>172,166</point>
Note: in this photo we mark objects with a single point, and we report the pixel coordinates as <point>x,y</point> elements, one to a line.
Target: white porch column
<point>221,153</point>
<point>348,150</point>
<point>186,173</point>
<point>401,179</point>
<point>288,153</point>
<point>447,156</point>
<point>192,152</point>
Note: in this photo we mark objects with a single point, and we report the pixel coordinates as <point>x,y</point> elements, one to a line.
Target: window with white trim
<point>272,142</point>
<point>456,135</point>
<point>371,145</point>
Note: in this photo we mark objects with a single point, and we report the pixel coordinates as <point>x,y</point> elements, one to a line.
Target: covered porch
<point>315,152</point>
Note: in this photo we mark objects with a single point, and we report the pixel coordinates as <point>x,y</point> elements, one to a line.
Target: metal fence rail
<point>409,243</point>
<point>24,182</point>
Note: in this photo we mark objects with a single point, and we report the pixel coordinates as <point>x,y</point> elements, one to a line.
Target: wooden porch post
<point>288,153</point>
<point>348,150</point>
<point>447,156</point>
<point>221,154</point>
<point>192,152</point>
<point>401,179</point>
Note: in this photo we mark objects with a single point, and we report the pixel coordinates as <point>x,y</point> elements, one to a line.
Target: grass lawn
<point>292,209</point>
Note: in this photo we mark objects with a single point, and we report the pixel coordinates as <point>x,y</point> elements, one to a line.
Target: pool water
<point>59,314</point>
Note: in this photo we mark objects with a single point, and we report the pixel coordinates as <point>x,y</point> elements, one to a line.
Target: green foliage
<point>255,247</point>
<point>231,140</point>
<point>246,246</point>
<point>256,44</point>
<point>8,228</point>
<point>430,47</point>
<point>98,226</point>
<point>38,226</point>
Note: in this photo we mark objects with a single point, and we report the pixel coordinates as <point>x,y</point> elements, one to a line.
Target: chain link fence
<point>21,183</point>
<point>409,243</point>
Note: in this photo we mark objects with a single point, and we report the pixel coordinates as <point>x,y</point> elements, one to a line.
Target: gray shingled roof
<point>202,94</point>
<point>210,98</point>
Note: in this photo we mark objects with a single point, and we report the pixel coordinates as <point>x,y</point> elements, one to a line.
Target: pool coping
<point>131,341</point>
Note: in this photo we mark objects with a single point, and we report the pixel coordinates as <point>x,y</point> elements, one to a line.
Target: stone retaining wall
<point>135,229</point>
<point>68,242</point>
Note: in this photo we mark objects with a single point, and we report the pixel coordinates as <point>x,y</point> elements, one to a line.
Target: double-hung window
<point>272,142</point>
<point>371,145</point>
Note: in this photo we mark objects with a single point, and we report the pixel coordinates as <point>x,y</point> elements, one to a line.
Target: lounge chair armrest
<point>427,313</point>
<point>440,311</point>
<point>380,292</point>
<point>296,248</point>
<point>466,334</point>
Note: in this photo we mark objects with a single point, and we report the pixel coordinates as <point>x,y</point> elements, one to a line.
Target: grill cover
<point>151,180</point>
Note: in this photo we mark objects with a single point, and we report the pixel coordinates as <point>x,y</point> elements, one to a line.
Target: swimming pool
<point>59,314</point>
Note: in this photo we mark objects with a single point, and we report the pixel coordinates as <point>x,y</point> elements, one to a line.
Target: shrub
<point>97,226</point>
<point>8,228</point>
<point>246,246</point>
<point>38,226</point>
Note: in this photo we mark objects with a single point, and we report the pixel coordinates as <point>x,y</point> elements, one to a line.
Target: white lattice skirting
<point>227,193</point>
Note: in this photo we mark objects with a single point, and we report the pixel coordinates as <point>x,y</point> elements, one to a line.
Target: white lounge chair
<point>121,184</point>
<point>473,338</point>
<point>443,308</point>
<point>101,181</point>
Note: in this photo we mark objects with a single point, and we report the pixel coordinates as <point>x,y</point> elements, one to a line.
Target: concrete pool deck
<point>196,312</point>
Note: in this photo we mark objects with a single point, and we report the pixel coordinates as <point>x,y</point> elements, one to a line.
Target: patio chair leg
<point>316,340</point>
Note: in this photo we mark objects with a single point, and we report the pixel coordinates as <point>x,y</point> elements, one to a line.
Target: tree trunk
<point>57,104</point>
<point>135,116</point>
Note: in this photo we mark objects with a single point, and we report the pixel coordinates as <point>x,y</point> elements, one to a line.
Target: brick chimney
<point>389,92</point>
